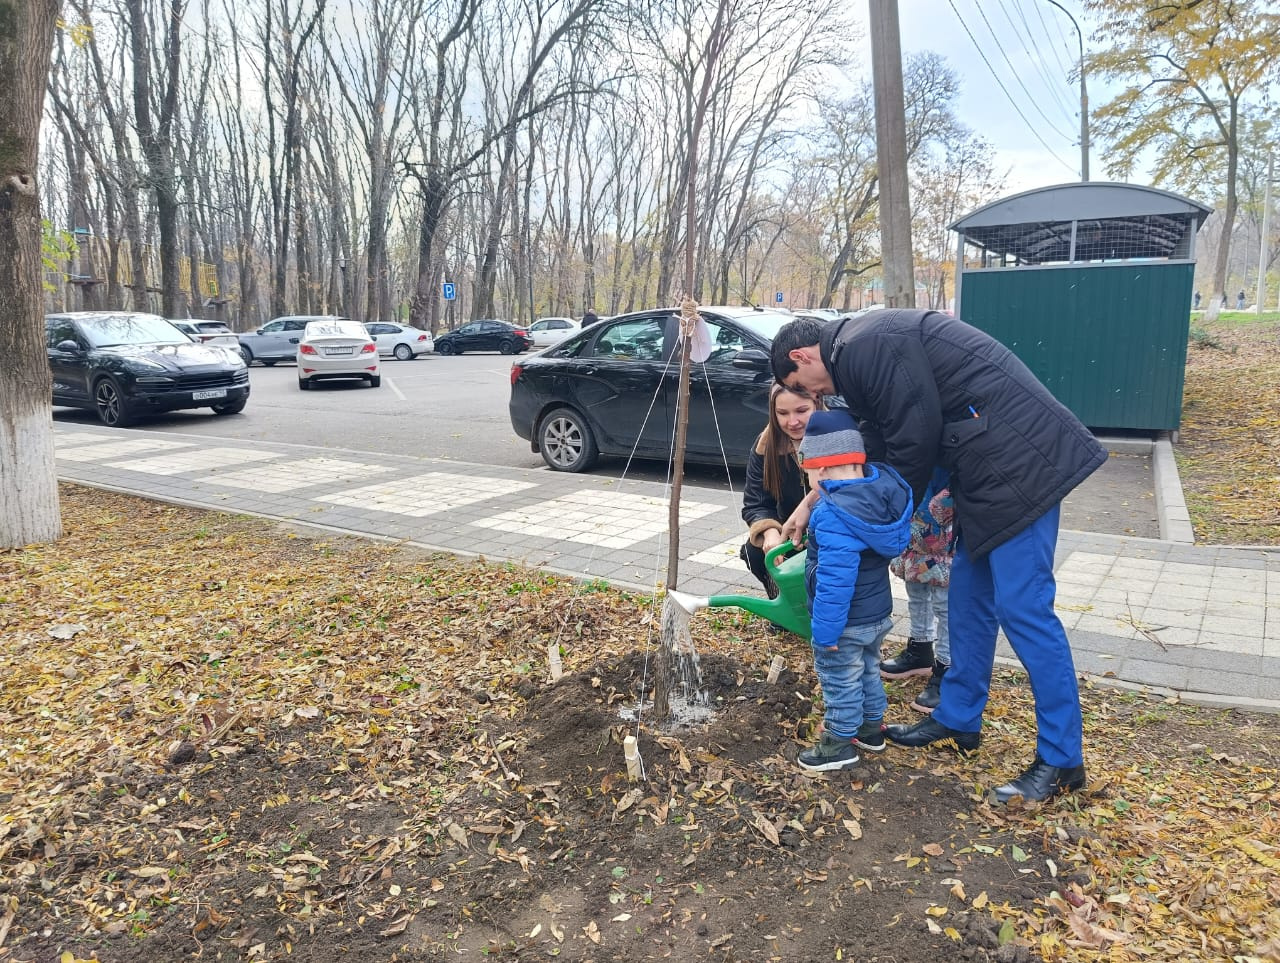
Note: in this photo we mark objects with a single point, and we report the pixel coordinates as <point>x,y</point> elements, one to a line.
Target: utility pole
<point>1084,98</point>
<point>891,156</point>
<point>1266,236</point>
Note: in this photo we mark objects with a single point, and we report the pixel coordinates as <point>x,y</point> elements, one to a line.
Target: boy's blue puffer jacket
<point>857,526</point>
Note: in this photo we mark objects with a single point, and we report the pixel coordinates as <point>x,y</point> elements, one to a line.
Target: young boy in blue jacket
<point>862,519</point>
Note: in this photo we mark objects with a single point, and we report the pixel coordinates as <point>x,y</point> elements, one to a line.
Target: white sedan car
<point>548,331</point>
<point>337,348</point>
<point>399,340</point>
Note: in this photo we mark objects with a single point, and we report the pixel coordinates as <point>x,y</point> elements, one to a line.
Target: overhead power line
<point>1013,103</point>
<point>1031,47</point>
<point>1017,75</point>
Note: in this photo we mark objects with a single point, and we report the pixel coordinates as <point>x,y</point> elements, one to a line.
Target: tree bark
<point>29,511</point>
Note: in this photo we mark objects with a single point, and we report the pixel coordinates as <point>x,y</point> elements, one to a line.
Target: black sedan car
<point>485,336</point>
<point>611,389</point>
<point>125,365</point>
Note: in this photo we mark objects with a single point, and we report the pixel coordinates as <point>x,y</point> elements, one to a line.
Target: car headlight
<point>153,380</point>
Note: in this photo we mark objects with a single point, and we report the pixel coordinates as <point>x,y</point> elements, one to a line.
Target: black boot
<point>926,732</point>
<point>1040,781</point>
<point>928,699</point>
<point>915,659</point>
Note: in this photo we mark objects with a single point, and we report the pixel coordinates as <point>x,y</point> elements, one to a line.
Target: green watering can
<point>789,610</point>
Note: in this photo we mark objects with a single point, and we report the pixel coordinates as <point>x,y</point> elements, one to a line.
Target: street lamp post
<point>1084,98</point>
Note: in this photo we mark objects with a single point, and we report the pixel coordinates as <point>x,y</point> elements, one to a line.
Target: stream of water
<point>690,703</point>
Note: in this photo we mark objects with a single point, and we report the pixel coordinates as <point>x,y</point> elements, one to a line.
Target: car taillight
<point>369,348</point>
<point>516,372</point>
<point>306,349</point>
<point>422,337</point>
<point>522,332</point>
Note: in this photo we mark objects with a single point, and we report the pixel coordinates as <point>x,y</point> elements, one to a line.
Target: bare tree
<point>155,98</point>
<point>849,159</point>
<point>29,510</point>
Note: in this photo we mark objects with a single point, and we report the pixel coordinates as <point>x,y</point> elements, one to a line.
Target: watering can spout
<point>690,603</point>
<point>790,609</point>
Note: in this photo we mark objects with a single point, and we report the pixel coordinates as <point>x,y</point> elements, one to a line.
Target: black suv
<point>485,335</point>
<point>123,365</point>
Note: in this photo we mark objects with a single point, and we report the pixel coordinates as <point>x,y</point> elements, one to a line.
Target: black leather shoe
<point>926,732</point>
<point>1041,781</point>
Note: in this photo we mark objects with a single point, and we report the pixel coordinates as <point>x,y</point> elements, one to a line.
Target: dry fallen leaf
<point>763,824</point>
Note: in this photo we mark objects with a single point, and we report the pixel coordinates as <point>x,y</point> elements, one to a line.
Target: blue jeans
<point>1013,587</point>
<point>850,676</point>
<point>927,606</point>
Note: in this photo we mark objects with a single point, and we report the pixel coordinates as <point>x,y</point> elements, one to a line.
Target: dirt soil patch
<point>1228,451</point>
<point>219,741</point>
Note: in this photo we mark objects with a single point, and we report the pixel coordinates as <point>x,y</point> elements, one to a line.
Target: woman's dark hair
<point>774,443</point>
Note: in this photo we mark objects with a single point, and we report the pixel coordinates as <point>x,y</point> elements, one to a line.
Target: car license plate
<point>207,395</point>
<point>340,351</point>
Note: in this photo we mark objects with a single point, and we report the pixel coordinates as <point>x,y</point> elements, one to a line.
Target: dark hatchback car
<point>125,365</point>
<point>485,336</point>
<point>611,389</point>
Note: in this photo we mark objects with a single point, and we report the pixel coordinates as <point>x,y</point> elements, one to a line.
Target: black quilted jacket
<point>929,390</point>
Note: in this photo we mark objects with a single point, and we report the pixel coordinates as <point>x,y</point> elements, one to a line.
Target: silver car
<point>400,341</point>
<point>208,332</point>
<point>277,340</point>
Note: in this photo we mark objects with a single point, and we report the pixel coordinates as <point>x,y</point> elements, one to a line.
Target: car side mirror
<point>69,347</point>
<point>752,358</point>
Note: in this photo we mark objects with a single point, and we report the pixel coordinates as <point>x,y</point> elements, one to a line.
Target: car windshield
<point>764,323</point>
<point>336,329</point>
<point>117,329</point>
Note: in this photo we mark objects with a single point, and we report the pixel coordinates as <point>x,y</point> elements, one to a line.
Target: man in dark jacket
<point>931,391</point>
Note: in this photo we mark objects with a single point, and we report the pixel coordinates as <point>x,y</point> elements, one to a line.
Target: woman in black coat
<point>775,484</point>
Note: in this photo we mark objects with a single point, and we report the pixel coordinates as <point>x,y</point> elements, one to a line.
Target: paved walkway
<point>1202,622</point>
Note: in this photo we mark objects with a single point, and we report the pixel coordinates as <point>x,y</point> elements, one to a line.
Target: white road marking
<point>392,385</point>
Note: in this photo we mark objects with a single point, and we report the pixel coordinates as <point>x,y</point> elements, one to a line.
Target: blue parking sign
<point>448,290</point>
<point>778,297</point>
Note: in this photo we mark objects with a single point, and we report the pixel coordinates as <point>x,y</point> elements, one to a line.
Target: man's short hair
<point>800,333</point>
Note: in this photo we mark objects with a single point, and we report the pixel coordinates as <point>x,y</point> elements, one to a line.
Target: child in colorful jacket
<point>925,567</point>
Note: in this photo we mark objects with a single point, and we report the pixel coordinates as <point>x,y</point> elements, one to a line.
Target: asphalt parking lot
<point>456,408</point>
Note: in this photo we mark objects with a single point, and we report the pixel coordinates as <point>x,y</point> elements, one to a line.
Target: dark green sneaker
<point>871,735</point>
<point>828,754</point>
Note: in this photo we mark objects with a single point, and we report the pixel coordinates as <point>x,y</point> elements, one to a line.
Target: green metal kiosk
<point>1090,285</point>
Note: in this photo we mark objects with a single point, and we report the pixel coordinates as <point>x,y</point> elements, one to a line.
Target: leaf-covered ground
<point>220,741</point>
<point>1229,446</point>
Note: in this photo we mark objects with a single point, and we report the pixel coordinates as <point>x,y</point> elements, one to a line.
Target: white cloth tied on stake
<point>694,327</point>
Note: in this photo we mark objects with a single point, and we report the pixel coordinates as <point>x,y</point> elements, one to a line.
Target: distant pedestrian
<point>1240,301</point>
<point>1196,301</point>
<point>1224,299</point>
<point>590,318</point>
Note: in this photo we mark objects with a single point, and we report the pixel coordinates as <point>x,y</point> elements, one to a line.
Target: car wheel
<point>566,442</point>
<point>446,348</point>
<point>232,409</point>
<point>304,384</point>
<point>110,405</point>
<point>403,352</point>
<point>269,364</point>
<point>375,381</point>
<point>507,346</point>
<point>247,355</point>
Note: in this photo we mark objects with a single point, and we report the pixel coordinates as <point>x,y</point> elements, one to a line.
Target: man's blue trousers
<point>1012,587</point>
